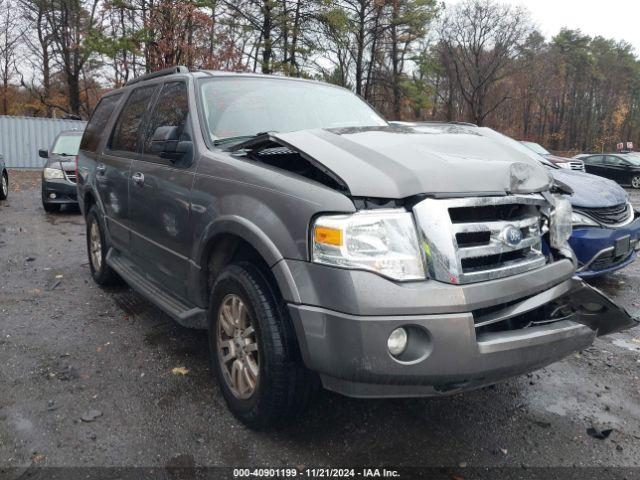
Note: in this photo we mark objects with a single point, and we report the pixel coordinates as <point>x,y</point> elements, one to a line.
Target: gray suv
<point>317,244</point>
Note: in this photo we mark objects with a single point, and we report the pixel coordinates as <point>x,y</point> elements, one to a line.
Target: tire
<point>51,207</point>
<point>4,186</point>
<point>96,244</point>
<point>635,181</point>
<point>282,385</point>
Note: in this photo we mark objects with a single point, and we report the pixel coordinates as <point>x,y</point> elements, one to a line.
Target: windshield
<point>536,147</point>
<point>247,106</point>
<point>67,145</point>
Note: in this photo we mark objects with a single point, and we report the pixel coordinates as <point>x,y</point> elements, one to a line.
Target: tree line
<point>478,61</point>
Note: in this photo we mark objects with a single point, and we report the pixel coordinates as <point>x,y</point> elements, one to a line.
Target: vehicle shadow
<point>393,427</point>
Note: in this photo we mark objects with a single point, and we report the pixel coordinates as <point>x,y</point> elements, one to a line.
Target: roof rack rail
<point>159,73</point>
<point>449,122</point>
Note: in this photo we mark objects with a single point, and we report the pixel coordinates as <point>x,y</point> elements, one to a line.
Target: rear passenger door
<point>159,195</point>
<point>615,168</point>
<point>114,168</point>
<point>593,164</point>
<point>93,140</point>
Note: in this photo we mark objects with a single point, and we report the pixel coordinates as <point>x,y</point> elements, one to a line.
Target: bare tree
<point>37,40</point>
<point>10,34</point>
<point>482,39</point>
<point>72,23</point>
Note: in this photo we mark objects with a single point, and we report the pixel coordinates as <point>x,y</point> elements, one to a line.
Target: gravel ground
<point>86,380</point>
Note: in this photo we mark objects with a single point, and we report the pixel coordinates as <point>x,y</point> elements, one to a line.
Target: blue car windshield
<point>247,106</point>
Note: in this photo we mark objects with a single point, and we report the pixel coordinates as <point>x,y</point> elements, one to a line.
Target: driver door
<point>616,168</point>
<point>594,165</point>
<point>159,196</point>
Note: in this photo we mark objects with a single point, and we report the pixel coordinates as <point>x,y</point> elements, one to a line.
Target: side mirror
<point>166,142</point>
<point>43,153</point>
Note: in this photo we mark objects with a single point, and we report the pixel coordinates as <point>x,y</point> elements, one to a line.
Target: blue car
<point>606,229</point>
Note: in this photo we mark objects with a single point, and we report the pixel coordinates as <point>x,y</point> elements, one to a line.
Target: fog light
<point>397,341</point>
<point>52,195</point>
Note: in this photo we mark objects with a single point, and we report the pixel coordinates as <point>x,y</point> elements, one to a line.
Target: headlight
<point>383,241</point>
<point>52,173</point>
<point>580,220</point>
<point>564,165</point>
<point>560,228</point>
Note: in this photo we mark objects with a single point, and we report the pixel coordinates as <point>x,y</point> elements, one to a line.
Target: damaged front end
<point>464,238</point>
<point>568,304</point>
<point>269,150</point>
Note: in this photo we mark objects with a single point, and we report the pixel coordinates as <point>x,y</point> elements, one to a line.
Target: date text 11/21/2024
<point>315,473</point>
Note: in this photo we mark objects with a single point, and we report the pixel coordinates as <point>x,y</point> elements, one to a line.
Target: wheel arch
<point>232,238</point>
<point>88,200</point>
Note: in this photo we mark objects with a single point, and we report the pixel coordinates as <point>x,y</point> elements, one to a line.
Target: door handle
<point>138,178</point>
<point>101,168</point>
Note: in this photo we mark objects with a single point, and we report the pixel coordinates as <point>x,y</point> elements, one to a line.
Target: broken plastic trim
<point>270,150</point>
<point>561,188</point>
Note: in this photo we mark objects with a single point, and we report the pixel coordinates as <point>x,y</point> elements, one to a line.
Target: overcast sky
<point>619,19</point>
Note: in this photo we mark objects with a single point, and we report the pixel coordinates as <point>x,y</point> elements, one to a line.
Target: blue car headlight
<point>580,220</point>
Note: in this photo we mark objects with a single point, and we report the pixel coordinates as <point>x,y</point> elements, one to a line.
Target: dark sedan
<point>59,173</point>
<point>623,168</point>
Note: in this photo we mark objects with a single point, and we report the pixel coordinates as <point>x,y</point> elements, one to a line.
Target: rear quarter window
<point>98,122</point>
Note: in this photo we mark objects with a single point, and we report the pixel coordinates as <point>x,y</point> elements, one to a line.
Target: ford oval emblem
<point>511,236</point>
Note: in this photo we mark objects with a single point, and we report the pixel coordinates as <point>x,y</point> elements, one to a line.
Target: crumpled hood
<point>590,191</point>
<point>394,162</point>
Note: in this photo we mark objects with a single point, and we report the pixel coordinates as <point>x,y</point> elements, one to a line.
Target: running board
<point>187,315</point>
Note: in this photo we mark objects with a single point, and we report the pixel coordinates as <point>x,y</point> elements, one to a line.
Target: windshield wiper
<point>225,140</point>
<point>222,141</point>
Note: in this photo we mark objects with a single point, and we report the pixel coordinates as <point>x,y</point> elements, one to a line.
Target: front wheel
<point>4,186</point>
<point>97,250</point>
<point>635,181</point>
<point>254,350</point>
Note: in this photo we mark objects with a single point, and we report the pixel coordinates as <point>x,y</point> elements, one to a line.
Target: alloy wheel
<point>5,186</point>
<point>635,182</point>
<point>237,347</point>
<point>95,246</point>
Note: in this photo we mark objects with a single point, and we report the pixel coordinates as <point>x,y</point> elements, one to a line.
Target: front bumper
<point>350,351</point>
<point>65,192</point>
<point>597,249</point>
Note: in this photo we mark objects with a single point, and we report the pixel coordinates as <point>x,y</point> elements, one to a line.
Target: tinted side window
<point>98,122</point>
<point>611,160</point>
<point>172,109</point>
<point>126,133</point>
<point>594,160</point>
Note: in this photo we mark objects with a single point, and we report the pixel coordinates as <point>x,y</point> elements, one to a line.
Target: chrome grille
<point>70,175</point>
<point>464,238</point>
<point>577,165</point>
